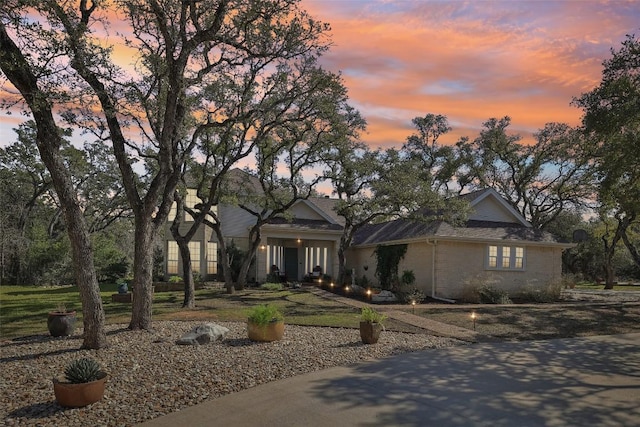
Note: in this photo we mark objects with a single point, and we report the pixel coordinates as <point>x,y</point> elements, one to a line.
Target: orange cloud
<point>470,61</point>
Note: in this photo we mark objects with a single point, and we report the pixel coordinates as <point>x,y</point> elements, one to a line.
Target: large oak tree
<point>157,109</point>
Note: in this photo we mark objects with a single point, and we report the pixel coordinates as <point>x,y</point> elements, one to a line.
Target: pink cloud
<point>470,61</point>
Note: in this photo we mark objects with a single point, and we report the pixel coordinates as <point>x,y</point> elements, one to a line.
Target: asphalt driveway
<point>591,381</point>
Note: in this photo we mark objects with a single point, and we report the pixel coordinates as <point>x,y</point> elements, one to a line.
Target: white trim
<point>500,258</point>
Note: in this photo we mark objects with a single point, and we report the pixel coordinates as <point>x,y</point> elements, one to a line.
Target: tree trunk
<point>254,243</point>
<point>48,139</point>
<point>609,252</point>
<point>341,266</point>
<point>141,311</point>
<point>187,275</point>
<point>226,265</point>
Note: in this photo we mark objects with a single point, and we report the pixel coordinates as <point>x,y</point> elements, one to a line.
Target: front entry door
<point>291,263</point>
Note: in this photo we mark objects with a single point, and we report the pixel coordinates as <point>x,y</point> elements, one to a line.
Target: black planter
<point>61,324</point>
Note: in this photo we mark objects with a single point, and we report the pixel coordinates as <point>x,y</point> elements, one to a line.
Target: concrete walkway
<point>434,328</point>
<point>566,382</point>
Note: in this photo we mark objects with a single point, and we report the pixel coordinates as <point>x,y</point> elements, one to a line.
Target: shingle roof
<point>402,230</point>
<point>297,223</point>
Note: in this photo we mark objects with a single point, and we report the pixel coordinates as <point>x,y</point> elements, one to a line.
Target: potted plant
<point>265,323</point>
<point>371,325</point>
<point>61,323</point>
<point>84,384</point>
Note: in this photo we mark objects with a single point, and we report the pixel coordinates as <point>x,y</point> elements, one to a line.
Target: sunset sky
<point>468,60</point>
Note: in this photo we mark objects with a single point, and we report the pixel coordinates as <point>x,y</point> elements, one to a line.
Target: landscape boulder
<point>204,334</point>
<point>384,296</point>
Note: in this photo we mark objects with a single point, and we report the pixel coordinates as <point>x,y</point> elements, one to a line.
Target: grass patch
<point>24,308</point>
<point>599,286</point>
<point>541,321</point>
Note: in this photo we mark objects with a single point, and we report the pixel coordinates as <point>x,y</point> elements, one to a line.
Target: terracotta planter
<point>274,331</point>
<point>82,394</point>
<point>61,324</point>
<point>370,332</point>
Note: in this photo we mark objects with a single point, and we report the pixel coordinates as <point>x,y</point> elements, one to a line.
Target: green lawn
<point>23,309</point>
<point>599,286</point>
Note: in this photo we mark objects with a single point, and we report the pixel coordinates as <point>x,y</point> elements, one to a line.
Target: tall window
<point>212,258</point>
<point>172,257</point>
<point>190,201</point>
<point>505,257</point>
<point>194,249</point>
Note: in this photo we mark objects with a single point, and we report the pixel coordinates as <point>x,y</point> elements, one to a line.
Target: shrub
<point>490,295</point>
<point>270,286</point>
<point>363,281</point>
<point>413,296</point>
<point>82,370</point>
<point>368,314</point>
<point>265,314</point>
<point>175,279</point>
<point>469,294</point>
<point>550,293</point>
<point>273,277</point>
<point>408,277</point>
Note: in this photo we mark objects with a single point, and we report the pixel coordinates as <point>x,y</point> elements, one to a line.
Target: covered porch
<point>296,258</point>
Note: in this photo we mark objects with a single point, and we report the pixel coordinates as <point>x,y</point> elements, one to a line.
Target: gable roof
<point>480,197</point>
<point>479,227</point>
<point>327,206</point>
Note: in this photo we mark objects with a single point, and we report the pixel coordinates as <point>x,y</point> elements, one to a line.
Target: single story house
<point>496,246</point>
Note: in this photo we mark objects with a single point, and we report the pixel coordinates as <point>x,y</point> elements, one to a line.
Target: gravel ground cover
<point>150,376</point>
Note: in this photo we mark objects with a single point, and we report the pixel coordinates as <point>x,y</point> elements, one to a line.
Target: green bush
<point>550,293</point>
<point>414,295</point>
<point>491,295</point>
<point>408,277</point>
<point>270,286</point>
<point>175,279</point>
<point>265,314</point>
<point>368,314</point>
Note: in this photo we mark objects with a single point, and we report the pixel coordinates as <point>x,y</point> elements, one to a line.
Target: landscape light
<point>473,318</point>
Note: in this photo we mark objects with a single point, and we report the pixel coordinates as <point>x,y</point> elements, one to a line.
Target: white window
<point>172,258</point>
<point>505,257</point>
<point>195,252</point>
<point>190,201</point>
<point>212,258</point>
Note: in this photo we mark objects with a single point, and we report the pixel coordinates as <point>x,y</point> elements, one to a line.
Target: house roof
<point>299,223</point>
<point>327,206</point>
<point>493,219</point>
<point>407,230</point>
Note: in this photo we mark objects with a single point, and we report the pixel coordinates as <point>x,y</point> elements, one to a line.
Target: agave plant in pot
<point>84,384</point>
<point>61,322</point>
<point>371,325</point>
<point>265,323</point>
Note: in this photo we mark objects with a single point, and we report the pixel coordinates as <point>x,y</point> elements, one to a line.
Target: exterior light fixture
<point>473,318</point>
